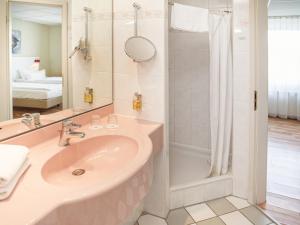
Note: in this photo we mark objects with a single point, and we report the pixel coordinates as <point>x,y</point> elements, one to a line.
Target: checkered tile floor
<point>224,211</point>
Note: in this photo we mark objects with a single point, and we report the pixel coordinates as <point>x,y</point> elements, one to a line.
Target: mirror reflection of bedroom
<point>36,58</point>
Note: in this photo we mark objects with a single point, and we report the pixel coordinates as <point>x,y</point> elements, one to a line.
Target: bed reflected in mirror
<point>56,62</point>
<point>36,59</point>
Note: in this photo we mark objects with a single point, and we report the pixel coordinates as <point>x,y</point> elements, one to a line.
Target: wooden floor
<point>19,111</point>
<point>283,197</point>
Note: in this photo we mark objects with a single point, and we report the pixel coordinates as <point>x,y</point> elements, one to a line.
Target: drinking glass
<point>112,121</point>
<point>96,122</point>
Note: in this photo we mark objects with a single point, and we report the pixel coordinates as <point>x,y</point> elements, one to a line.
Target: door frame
<point>5,91</point>
<point>5,62</point>
<point>259,56</point>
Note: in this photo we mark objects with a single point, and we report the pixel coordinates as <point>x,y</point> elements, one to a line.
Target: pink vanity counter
<point>12,127</point>
<point>107,195</point>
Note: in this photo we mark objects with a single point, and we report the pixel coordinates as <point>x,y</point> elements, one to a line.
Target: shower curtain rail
<point>215,10</point>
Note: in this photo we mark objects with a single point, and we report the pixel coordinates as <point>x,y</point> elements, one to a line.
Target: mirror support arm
<point>137,7</point>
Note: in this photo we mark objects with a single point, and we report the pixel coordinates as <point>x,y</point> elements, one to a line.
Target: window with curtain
<point>284,67</point>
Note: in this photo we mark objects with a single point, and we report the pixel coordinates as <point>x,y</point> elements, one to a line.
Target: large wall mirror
<point>57,63</point>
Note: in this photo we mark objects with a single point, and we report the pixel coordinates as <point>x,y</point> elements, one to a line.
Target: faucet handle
<point>75,125</point>
<point>27,115</point>
<point>67,123</point>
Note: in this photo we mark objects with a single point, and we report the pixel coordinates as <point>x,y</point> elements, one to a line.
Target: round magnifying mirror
<point>140,49</point>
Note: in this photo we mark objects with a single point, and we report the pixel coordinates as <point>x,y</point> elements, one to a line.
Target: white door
<point>260,66</point>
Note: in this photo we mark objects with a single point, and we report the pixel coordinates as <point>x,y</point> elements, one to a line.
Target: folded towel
<point>12,157</point>
<point>6,191</point>
<point>189,18</point>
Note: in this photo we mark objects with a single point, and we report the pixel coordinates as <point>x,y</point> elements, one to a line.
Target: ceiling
<point>284,8</point>
<point>41,14</point>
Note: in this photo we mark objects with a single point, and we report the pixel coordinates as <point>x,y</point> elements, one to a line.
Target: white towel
<point>6,191</point>
<point>189,18</point>
<point>12,158</point>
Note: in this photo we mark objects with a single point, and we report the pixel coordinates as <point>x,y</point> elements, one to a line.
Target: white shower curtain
<point>221,92</point>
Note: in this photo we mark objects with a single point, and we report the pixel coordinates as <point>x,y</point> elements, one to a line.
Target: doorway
<point>283,169</point>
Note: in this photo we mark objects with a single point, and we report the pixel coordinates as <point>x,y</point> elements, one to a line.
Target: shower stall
<point>200,92</point>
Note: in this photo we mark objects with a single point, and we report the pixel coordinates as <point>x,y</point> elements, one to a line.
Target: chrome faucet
<point>31,120</point>
<point>67,132</point>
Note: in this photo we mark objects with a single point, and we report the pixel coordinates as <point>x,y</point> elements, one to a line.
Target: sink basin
<point>89,161</point>
<point>100,179</point>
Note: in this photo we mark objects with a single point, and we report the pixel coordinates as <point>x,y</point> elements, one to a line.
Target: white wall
<point>34,41</point>
<point>149,78</point>
<point>42,41</point>
<point>96,73</point>
<point>55,48</point>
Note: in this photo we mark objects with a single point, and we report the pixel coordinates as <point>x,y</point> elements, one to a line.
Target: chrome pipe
<point>137,7</point>
<point>86,39</point>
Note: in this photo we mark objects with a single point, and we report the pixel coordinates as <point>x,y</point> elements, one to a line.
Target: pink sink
<point>90,161</point>
<point>101,179</point>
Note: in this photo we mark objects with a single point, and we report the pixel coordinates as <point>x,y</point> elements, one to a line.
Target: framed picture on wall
<point>16,41</point>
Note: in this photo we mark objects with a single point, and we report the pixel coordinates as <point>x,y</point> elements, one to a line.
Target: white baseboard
<point>208,189</point>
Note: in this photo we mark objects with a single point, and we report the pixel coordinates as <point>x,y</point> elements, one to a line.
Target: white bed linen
<point>36,90</point>
<point>48,80</point>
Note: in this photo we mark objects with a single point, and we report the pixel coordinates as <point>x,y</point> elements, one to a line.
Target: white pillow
<point>35,67</point>
<point>27,74</point>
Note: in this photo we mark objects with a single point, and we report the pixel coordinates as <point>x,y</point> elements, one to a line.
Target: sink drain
<point>78,172</point>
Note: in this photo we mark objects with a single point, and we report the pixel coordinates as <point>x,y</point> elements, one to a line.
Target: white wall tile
<point>126,6</point>
<point>209,189</point>
<point>190,88</point>
<point>148,78</point>
<point>214,190</point>
<point>96,73</point>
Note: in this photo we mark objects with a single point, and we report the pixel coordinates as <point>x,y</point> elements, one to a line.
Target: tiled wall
<point>148,78</point>
<point>189,122</point>
<point>189,89</point>
<point>96,73</point>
